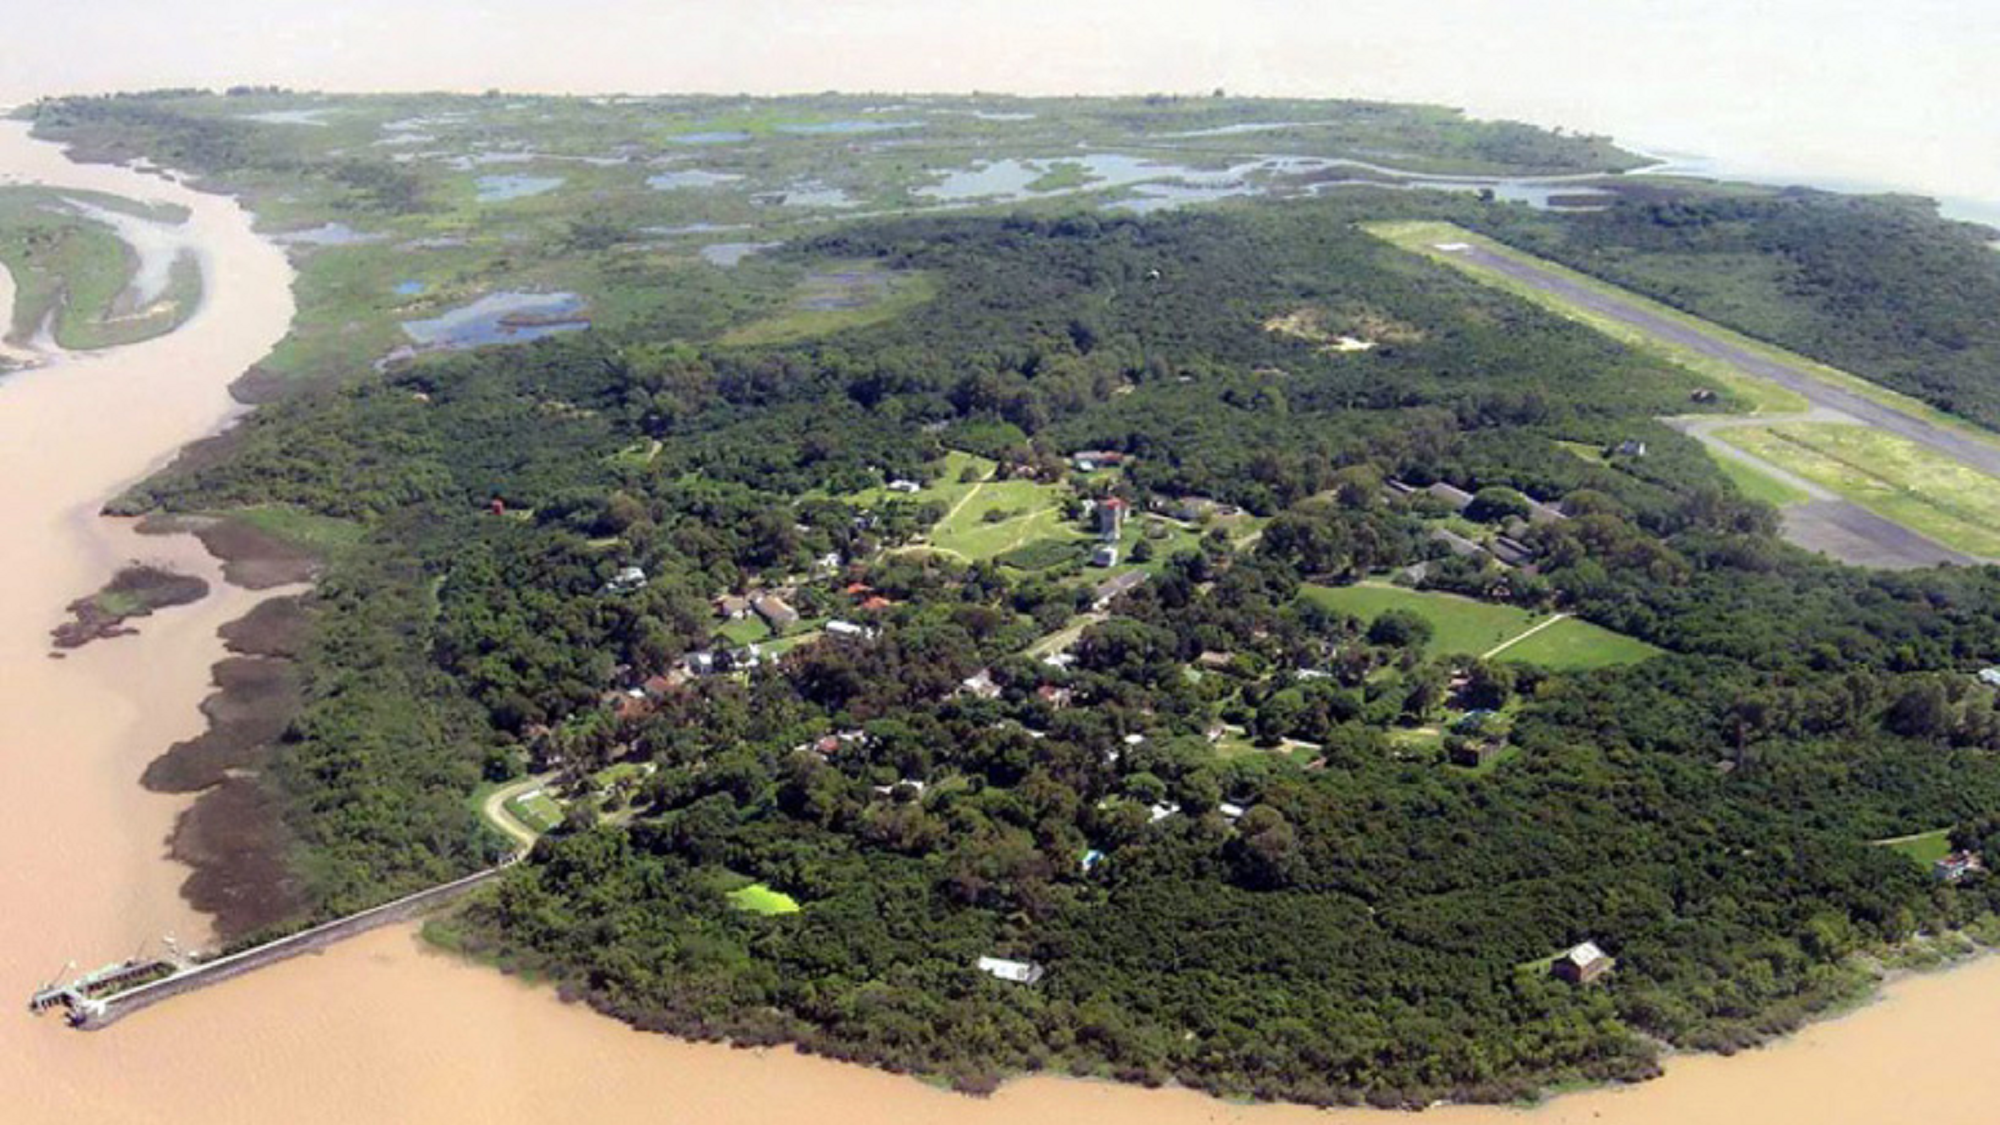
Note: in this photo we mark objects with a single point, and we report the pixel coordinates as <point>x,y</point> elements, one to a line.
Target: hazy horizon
<point>1833,90</point>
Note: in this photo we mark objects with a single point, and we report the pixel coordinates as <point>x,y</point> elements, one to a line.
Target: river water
<point>380,1029</point>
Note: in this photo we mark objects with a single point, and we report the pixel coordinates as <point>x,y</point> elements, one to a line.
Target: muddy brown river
<point>382,1030</point>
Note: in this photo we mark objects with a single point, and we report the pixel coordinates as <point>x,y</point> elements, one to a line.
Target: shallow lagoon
<point>837,128</point>
<point>326,234</point>
<point>500,189</point>
<point>727,254</point>
<point>1160,185</point>
<point>690,178</point>
<point>487,320</point>
<point>288,117</point>
<point>811,194</point>
<point>715,137</point>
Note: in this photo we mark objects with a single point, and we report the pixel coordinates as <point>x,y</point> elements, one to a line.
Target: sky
<point>1894,94</point>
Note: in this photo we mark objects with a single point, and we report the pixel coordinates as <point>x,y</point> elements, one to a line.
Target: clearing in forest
<point>1466,627</point>
<point>760,899</point>
<point>1925,848</point>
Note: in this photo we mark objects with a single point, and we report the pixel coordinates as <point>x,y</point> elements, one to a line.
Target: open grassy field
<point>745,630</point>
<point>760,899</point>
<point>1030,511</point>
<point>324,536</point>
<point>1471,628</point>
<point>1462,625</point>
<point>947,488</point>
<point>1925,848</point>
<point>1588,452</point>
<point>1575,645</point>
<point>536,809</point>
<point>1889,475</point>
<point>1759,485</point>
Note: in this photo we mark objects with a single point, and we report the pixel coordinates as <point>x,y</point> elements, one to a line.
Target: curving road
<point>495,809</point>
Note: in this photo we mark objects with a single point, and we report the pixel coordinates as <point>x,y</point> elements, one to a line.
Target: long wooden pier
<point>94,1001</point>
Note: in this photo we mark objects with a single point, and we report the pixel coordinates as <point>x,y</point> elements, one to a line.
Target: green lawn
<point>1033,513</point>
<point>1471,628</point>
<point>747,629</point>
<point>760,899</point>
<point>1575,645</point>
<point>946,489</point>
<point>1892,476</point>
<point>1463,626</point>
<point>536,809</point>
<point>1759,485</point>
<point>1925,848</point>
<point>324,536</point>
<point>1591,453</point>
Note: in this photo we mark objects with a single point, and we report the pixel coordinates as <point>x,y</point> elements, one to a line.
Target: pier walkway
<point>94,1000</point>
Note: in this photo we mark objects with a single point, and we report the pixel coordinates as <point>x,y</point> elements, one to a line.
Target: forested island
<point>1203,644</point>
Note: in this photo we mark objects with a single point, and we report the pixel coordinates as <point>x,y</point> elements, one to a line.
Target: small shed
<point>1511,551</point>
<point>1473,754</point>
<point>778,615</point>
<point>1458,498</point>
<point>1581,964</point>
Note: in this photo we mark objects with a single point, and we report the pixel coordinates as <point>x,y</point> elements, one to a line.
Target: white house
<point>625,581</point>
<point>981,684</point>
<point>1013,972</point>
<point>848,631</point>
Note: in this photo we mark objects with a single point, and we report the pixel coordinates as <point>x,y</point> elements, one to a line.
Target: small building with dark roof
<point>1458,498</point>
<point>1581,964</point>
<point>778,615</point>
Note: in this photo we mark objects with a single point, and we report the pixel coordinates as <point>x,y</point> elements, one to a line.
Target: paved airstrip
<point>1826,523</point>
